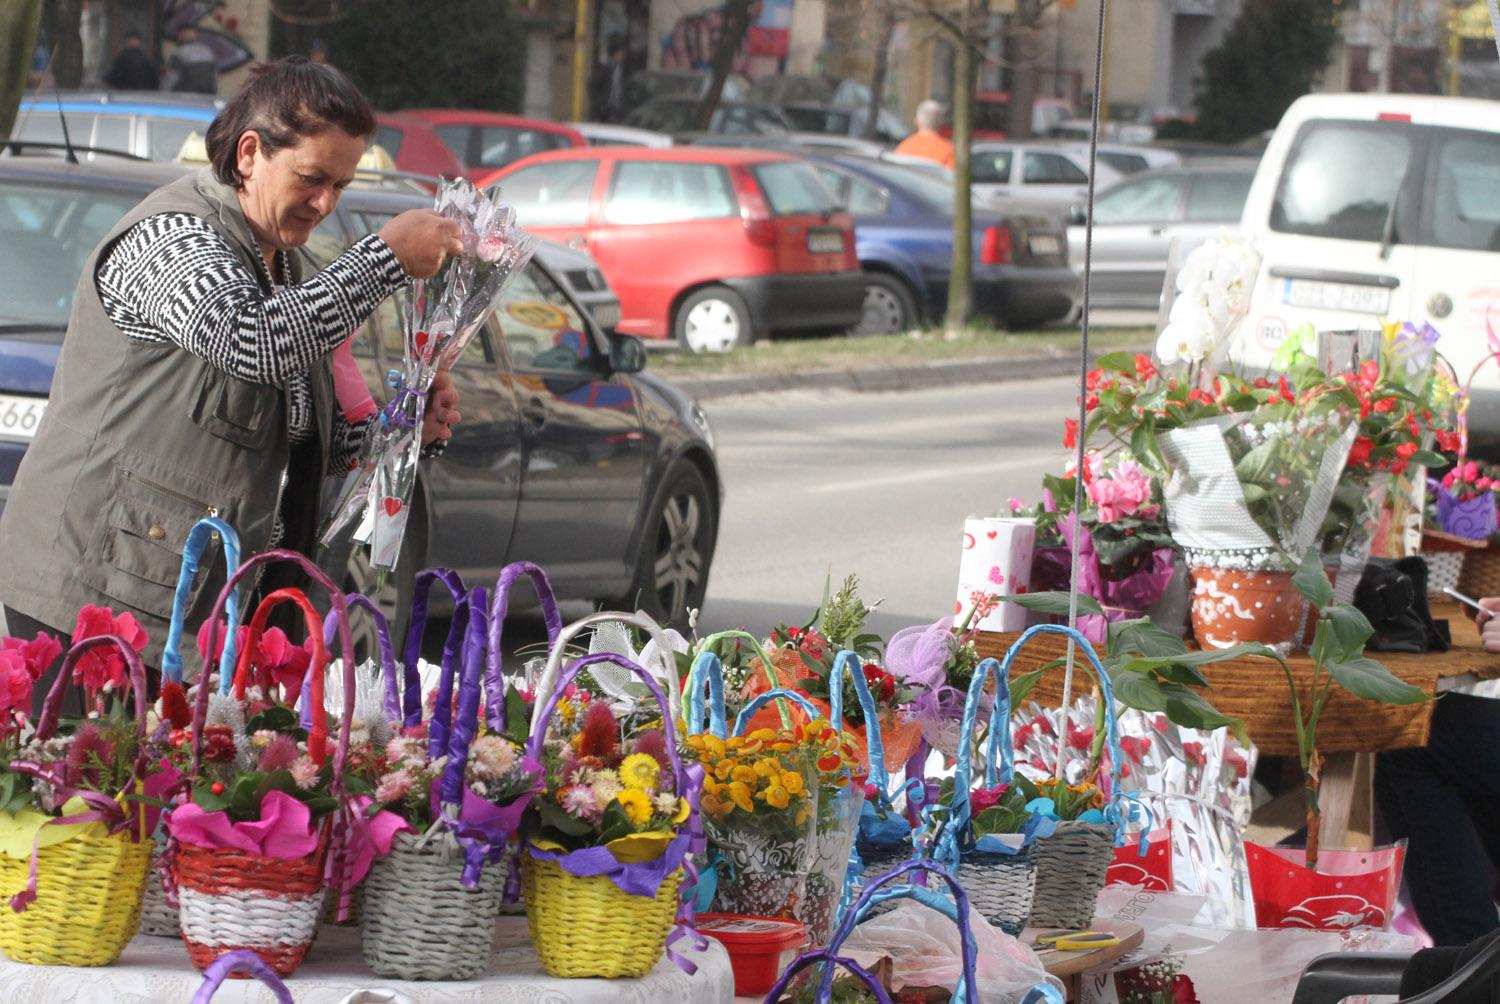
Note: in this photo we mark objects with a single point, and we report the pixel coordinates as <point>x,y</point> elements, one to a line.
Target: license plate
<point>19,416</point>
<point>825,242</point>
<point>1341,296</point>
<point>1044,244</point>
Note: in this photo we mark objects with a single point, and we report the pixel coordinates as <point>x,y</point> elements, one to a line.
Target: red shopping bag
<point>1350,889</point>
<point>1151,871</point>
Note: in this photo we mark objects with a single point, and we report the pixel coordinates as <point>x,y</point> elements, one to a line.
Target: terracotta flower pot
<point>1231,606</point>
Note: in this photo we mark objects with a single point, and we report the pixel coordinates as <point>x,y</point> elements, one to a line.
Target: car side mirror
<point>1076,216</point>
<point>627,353</point>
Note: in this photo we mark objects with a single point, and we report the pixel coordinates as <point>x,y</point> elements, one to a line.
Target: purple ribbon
<point>350,831</point>
<point>638,878</point>
<point>393,415</point>
<point>240,960</point>
<point>494,674</point>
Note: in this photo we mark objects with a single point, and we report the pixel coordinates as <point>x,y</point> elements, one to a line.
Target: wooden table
<point>1350,731</point>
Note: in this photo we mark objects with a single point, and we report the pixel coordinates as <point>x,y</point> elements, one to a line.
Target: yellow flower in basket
<point>778,797</point>
<point>743,774</point>
<point>640,772</point>
<point>637,806</point>
<point>739,793</point>
<point>792,782</point>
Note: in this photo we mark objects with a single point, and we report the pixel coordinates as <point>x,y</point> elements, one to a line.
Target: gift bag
<point>995,561</point>
<point>1350,889</point>
<point>1151,870</point>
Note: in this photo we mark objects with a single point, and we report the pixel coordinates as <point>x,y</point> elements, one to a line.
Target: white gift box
<point>995,561</point>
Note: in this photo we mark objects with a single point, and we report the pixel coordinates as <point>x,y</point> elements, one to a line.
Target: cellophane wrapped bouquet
<point>441,316</point>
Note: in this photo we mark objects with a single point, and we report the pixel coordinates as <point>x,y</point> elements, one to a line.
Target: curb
<point>949,372</point>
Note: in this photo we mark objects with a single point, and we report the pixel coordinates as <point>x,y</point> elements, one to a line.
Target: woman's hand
<point>421,239</point>
<point>1489,623</point>
<point>442,410</point>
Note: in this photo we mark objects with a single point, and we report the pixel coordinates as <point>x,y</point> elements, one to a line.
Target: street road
<point>872,484</point>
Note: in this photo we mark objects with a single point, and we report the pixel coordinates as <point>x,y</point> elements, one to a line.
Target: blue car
<point>903,216</point>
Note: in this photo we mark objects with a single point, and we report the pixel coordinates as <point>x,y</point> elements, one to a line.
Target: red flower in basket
<point>286,661</point>
<point>38,653</point>
<point>103,668</point>
<point>15,684</point>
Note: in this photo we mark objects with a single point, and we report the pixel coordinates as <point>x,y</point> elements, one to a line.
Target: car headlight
<point>700,421</point>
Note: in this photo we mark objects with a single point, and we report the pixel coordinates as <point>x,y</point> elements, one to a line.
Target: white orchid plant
<point>1211,298</point>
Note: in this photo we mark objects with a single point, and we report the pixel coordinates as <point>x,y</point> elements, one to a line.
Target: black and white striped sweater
<point>172,278</point>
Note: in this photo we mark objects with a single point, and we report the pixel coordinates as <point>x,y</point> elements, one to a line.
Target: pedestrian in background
<point>607,96</point>
<point>318,53</point>
<point>192,66</point>
<point>927,142</point>
<point>132,69</point>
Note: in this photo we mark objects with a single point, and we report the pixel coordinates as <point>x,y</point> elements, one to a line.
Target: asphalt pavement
<point>876,484</point>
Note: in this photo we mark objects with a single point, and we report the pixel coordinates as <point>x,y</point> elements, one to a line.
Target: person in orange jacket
<point>927,142</point>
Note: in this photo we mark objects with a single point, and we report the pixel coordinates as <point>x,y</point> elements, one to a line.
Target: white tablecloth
<point>157,971</point>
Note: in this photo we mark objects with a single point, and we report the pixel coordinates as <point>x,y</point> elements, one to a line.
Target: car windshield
<point>992,116</point>
<point>665,116</point>
<point>1341,179</point>
<point>46,235</point>
<point>926,187</point>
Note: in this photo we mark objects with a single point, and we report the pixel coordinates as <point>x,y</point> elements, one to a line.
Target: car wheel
<point>677,543</point>
<point>393,599</point>
<point>889,308</point>
<point>713,319</point>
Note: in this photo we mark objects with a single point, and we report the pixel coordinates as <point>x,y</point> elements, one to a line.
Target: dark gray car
<point>568,454</point>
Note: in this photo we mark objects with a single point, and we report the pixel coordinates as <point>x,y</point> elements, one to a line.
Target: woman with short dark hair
<point>195,378</point>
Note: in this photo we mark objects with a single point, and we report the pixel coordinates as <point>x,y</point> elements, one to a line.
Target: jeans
<point>1443,798</point>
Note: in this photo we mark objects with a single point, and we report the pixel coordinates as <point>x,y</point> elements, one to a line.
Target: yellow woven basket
<point>88,902</point>
<point>584,927</point>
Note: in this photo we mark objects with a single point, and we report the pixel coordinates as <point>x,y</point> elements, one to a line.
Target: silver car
<point>1054,174</point>
<point>1137,221</point>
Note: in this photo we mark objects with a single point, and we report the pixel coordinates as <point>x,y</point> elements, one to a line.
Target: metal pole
<point>580,58</point>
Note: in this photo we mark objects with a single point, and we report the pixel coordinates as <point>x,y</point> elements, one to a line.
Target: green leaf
<point>1207,657</point>
<point>1141,691</point>
<point>554,818</point>
<point>1182,673</point>
<point>1120,362</point>
<point>1185,706</point>
<point>1022,686</point>
<point>276,718</point>
<point>1143,638</point>
<point>614,824</point>
<point>1256,465</point>
<point>1366,678</point>
<point>1055,603</point>
<point>1427,458</point>
<point>1340,635</point>
<point>1311,581</point>
<point>206,800</point>
<point>516,724</point>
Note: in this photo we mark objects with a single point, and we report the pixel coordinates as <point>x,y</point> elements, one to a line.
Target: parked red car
<point>415,147</point>
<point>711,246</point>
<point>486,141</point>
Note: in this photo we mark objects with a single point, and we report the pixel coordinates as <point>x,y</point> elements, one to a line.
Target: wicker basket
<point>582,927</point>
<point>1481,573</point>
<point>1001,886</point>
<point>158,917</point>
<point>88,903</point>
<point>420,923</point>
<point>588,927</point>
<point>230,900</point>
<point>1070,870</point>
<point>1444,570</point>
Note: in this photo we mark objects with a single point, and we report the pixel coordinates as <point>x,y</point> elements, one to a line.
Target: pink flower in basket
<point>38,653</point>
<point>15,682</point>
<point>984,798</point>
<point>286,661</point>
<point>103,668</point>
<point>1121,492</point>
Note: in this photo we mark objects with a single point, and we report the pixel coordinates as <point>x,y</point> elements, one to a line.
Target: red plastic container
<point>759,947</point>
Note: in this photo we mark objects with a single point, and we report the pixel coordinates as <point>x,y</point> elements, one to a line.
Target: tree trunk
<point>732,31</point>
<point>1020,51</point>
<point>964,73</point>
<point>1388,32</point>
<point>18,23</point>
<point>67,62</point>
<point>877,75</point>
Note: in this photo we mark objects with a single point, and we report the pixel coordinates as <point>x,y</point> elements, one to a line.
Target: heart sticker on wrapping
<point>996,576</point>
<point>421,340</point>
<point>392,506</point>
<point>993,534</point>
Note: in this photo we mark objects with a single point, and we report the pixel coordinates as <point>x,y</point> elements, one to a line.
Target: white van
<point>1373,207</point>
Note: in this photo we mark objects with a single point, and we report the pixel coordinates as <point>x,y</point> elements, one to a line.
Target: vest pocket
<point>237,410</point>
<point>140,542</point>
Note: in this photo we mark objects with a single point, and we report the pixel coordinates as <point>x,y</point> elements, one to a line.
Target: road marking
<point>936,474</point>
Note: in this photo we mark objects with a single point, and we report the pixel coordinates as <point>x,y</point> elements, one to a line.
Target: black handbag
<point>1392,594</point>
